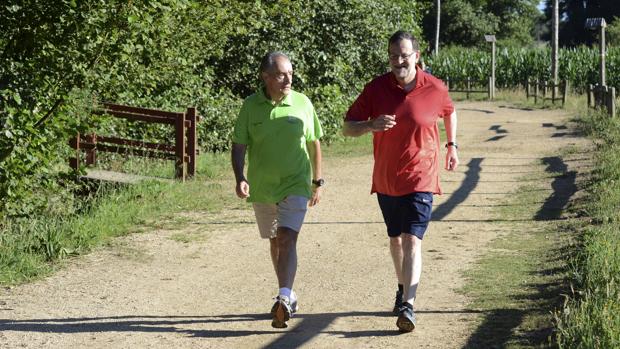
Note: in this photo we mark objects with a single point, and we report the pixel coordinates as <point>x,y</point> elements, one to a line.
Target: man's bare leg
<point>273,250</point>
<point>412,266</point>
<point>396,250</point>
<point>286,269</point>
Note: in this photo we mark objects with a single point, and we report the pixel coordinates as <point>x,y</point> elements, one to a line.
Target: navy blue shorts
<point>409,213</point>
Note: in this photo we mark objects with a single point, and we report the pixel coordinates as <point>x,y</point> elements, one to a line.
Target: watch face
<point>319,182</point>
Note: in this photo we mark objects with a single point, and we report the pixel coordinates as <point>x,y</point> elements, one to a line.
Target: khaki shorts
<point>288,213</point>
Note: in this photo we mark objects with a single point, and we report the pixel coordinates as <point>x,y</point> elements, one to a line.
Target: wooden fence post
<point>527,88</point>
<point>91,155</point>
<point>179,130</point>
<point>564,91</point>
<point>468,82</point>
<point>611,101</point>
<point>74,163</point>
<point>490,84</point>
<point>590,96</point>
<point>191,140</point>
<point>448,83</point>
<point>536,91</point>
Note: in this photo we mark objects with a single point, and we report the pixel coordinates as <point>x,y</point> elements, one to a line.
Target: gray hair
<point>404,35</point>
<point>269,60</point>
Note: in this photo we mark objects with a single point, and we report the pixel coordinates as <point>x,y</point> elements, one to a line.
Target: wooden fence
<point>540,90</point>
<point>183,151</point>
<point>467,85</point>
<point>602,96</point>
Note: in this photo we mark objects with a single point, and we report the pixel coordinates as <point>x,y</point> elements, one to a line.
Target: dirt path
<point>150,291</point>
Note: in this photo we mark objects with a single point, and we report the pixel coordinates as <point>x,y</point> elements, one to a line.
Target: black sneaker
<point>398,303</point>
<point>406,319</point>
<point>281,312</point>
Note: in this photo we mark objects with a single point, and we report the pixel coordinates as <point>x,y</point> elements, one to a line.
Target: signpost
<point>491,39</point>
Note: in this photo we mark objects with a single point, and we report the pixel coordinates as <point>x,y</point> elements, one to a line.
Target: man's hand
<point>452,159</point>
<point>382,123</point>
<point>316,195</point>
<point>243,189</point>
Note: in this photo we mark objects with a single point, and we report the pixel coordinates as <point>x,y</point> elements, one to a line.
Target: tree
<point>612,35</point>
<point>574,13</point>
<point>466,21</point>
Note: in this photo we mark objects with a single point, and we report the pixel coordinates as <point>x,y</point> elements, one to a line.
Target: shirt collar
<point>419,78</point>
<point>288,99</point>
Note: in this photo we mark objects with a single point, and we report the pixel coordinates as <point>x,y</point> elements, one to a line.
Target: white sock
<point>285,291</point>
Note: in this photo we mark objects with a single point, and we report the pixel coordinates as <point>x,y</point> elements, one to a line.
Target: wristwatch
<point>318,182</point>
<point>453,144</point>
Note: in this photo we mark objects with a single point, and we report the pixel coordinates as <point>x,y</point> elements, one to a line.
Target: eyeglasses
<point>394,57</point>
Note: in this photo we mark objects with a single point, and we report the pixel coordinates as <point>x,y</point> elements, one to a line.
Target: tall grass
<point>579,66</point>
<point>30,248</point>
<point>591,315</point>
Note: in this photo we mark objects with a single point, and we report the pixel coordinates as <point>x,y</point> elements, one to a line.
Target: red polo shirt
<point>407,155</point>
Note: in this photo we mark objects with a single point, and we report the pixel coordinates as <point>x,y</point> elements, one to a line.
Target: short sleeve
<point>314,130</point>
<point>360,110</point>
<point>240,133</point>
<point>447,107</point>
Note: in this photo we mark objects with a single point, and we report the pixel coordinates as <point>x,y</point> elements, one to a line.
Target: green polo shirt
<point>276,136</point>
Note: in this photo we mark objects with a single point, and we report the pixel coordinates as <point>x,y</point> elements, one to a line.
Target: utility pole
<point>438,5</point>
<point>492,40</point>
<point>554,43</point>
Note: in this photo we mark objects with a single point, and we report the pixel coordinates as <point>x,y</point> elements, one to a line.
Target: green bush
<point>61,59</point>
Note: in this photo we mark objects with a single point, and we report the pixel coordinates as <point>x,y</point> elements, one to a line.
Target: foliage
<point>465,22</point>
<point>591,316</point>
<point>61,58</point>
<point>612,32</point>
<point>573,14</point>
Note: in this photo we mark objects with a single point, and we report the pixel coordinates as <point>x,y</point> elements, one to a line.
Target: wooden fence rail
<point>540,90</point>
<point>465,85</point>
<point>183,151</point>
<point>602,96</point>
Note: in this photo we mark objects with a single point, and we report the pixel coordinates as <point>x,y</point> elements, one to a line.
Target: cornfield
<point>579,66</point>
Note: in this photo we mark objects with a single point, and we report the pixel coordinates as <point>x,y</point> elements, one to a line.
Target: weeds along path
<point>211,284</point>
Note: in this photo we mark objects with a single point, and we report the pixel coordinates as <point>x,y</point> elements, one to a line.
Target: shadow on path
<point>472,177</point>
<point>305,326</point>
<point>564,187</point>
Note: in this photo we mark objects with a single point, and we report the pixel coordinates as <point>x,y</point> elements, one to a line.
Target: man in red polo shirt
<point>402,108</point>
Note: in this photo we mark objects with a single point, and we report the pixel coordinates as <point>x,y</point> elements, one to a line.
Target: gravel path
<point>151,291</point>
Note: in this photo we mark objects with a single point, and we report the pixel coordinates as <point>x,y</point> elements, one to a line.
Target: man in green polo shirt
<point>280,131</point>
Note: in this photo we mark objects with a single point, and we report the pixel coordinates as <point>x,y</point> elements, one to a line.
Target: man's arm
<point>316,157</point>
<point>238,163</point>
<point>452,159</point>
<point>358,128</point>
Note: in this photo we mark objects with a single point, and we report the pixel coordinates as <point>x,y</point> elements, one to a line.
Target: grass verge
<point>34,247</point>
<point>555,283</point>
<point>590,317</point>
<point>518,283</point>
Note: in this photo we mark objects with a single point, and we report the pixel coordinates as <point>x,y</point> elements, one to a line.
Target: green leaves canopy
<point>59,58</point>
